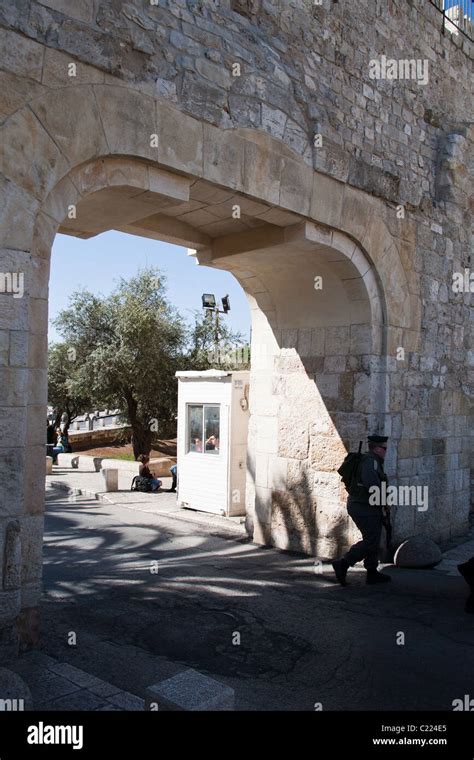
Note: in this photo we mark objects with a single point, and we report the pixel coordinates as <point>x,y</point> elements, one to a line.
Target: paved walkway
<point>148,595</point>
<point>91,485</point>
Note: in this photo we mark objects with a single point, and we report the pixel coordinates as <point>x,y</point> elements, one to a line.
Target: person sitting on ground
<point>145,472</point>
<point>467,571</point>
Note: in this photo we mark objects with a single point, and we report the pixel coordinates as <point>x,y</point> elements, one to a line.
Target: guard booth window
<point>203,428</point>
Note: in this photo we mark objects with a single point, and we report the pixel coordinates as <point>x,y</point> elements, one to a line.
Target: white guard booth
<point>212,440</point>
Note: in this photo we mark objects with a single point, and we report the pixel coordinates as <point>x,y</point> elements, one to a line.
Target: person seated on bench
<point>145,472</point>
<point>62,444</point>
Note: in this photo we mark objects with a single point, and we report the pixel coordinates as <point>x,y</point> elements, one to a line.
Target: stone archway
<point>108,141</point>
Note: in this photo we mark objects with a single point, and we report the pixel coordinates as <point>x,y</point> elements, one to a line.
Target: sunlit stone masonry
<point>320,152</point>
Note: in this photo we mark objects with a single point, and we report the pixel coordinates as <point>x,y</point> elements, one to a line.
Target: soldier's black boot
<point>373,576</point>
<point>340,567</point>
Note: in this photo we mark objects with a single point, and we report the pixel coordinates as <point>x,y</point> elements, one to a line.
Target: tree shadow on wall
<point>299,525</point>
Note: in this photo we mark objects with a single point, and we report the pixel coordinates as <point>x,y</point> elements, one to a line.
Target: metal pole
<point>217,331</point>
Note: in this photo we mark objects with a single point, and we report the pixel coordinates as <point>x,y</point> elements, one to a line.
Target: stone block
<point>122,465</point>
<point>16,92</point>
<point>180,140</point>
<point>129,121</point>
<point>13,425</point>
<point>37,391</point>
<point>12,557</point>
<point>263,505</point>
<point>57,206</point>
<point>88,464</point>
<point>278,473</point>
<point>49,465</point>
<point>223,157</point>
<point>326,453</point>
<point>111,479</point>
<point>9,609</point>
<point>21,55</point>
<point>31,537</point>
<point>13,312</point>
<point>81,10</point>
<point>293,524</point>
<point>17,215</point>
<point>418,552</point>
<point>57,70</point>
<point>33,160</point>
<point>160,467</point>
<point>296,186</point>
<point>78,132</point>
<point>68,460</point>
<point>12,463</point>
<point>263,169</point>
<point>44,233</point>
<point>361,339</point>
<point>35,426</point>
<point>326,200</point>
<point>337,340</point>
<point>191,691</point>
<point>293,437</point>
<point>328,386</point>
<point>357,208</point>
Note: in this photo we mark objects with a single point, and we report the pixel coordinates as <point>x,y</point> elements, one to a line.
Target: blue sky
<point>466,5</point>
<point>98,263</point>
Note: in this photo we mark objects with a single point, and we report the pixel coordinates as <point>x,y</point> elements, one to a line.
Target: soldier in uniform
<point>368,517</point>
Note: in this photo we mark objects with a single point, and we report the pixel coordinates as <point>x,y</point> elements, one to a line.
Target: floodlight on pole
<point>226,304</point>
<point>208,301</point>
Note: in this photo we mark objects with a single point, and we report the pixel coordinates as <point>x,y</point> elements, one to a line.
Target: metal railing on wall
<point>458,16</point>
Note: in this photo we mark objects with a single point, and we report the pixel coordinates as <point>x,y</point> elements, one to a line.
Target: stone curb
<point>169,515</point>
<point>79,491</point>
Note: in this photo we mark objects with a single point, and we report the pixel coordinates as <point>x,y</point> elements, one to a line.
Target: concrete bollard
<point>68,460</point>
<point>111,479</point>
<point>49,465</point>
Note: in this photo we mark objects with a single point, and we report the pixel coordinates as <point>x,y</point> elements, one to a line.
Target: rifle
<point>387,524</point>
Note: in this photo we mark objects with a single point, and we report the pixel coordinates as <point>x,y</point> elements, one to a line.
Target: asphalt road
<point>148,595</point>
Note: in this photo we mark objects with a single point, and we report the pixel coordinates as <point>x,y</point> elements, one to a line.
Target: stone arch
<point>67,145</point>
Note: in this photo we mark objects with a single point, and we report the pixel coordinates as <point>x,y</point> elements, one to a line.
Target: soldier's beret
<point>377,438</point>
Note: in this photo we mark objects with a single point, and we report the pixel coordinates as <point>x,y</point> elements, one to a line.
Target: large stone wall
<point>299,131</point>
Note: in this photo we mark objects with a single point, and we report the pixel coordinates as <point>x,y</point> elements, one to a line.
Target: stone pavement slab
<point>62,686</point>
<point>192,691</point>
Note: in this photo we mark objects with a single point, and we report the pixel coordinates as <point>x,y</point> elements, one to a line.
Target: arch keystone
<point>129,121</point>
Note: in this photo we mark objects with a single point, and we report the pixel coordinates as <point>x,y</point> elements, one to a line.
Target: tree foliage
<point>130,343</point>
<point>128,346</point>
<point>63,395</point>
<point>213,345</point>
